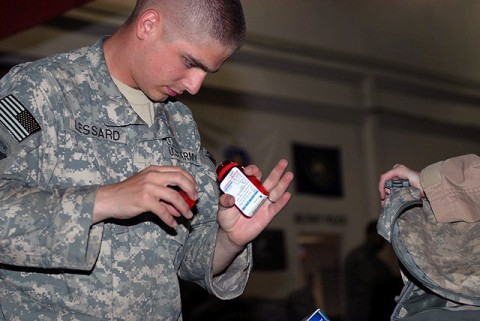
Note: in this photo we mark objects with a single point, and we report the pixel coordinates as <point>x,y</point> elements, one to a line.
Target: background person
<point>371,284</point>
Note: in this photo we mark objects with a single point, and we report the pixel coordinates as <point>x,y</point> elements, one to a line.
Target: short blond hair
<point>222,20</point>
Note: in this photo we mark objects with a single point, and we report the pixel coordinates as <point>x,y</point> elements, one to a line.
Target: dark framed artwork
<point>318,170</point>
<point>269,251</point>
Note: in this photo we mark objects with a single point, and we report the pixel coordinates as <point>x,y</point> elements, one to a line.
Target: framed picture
<point>318,170</point>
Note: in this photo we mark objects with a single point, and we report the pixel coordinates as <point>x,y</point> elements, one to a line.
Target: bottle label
<point>247,196</point>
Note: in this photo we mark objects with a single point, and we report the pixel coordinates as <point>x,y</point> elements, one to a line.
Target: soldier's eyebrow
<point>198,64</point>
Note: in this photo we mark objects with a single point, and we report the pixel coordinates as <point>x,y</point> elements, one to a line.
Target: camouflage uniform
<point>56,265</point>
<point>440,260</point>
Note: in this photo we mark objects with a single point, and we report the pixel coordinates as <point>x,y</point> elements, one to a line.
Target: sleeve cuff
<point>231,283</point>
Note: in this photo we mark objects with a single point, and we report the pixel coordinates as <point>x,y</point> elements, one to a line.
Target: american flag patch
<point>18,121</point>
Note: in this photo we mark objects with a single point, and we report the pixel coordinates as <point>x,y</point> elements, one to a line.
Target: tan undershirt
<point>139,102</point>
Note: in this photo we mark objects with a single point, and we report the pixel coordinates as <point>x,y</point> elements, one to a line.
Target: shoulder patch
<point>18,121</point>
<point>210,157</point>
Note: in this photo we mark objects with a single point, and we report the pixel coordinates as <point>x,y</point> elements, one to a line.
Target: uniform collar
<point>115,110</point>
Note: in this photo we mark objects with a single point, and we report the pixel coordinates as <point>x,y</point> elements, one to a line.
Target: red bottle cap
<point>224,168</point>
<point>187,199</point>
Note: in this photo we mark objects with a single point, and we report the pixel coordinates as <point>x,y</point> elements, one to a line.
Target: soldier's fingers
<point>276,175</point>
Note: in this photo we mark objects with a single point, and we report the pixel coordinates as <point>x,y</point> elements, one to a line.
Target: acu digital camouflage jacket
<point>69,130</point>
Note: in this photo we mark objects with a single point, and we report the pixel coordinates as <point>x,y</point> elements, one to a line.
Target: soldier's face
<point>170,68</point>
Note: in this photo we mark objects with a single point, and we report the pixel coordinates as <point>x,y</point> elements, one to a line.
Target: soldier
<point>91,142</point>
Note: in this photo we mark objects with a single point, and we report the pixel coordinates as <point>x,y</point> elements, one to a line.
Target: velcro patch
<point>210,157</point>
<point>18,121</point>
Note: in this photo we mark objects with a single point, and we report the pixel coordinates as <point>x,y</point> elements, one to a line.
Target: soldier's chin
<point>160,97</point>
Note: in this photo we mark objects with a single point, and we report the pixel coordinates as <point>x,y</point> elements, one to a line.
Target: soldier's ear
<point>148,23</point>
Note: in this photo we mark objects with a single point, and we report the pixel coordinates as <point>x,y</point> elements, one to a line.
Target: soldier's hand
<point>147,191</point>
<point>398,171</point>
<point>242,229</point>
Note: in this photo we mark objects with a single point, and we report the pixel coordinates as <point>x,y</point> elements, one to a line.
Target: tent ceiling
<point>75,27</point>
<point>22,14</point>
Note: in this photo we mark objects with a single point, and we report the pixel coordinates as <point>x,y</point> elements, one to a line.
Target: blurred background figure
<point>302,302</point>
<point>371,280</point>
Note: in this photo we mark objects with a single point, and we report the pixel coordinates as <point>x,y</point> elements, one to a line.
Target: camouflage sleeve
<point>197,264</point>
<point>453,188</point>
<point>232,282</point>
<point>41,225</point>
